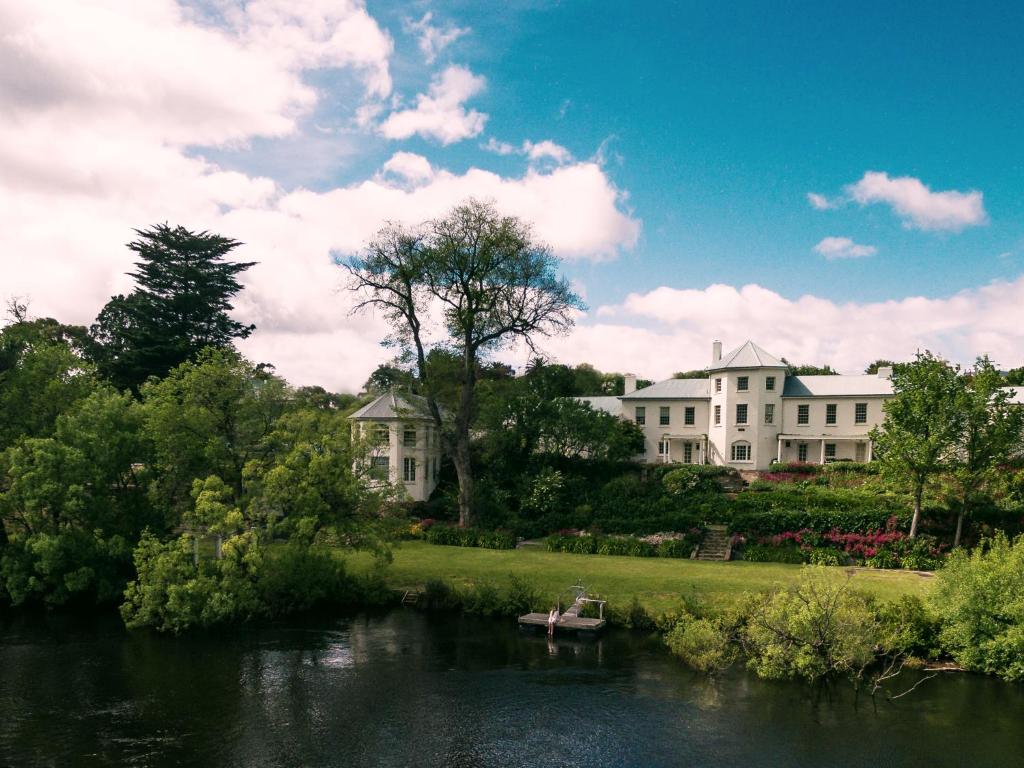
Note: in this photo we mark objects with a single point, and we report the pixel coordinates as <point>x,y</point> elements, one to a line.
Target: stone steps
<point>716,544</point>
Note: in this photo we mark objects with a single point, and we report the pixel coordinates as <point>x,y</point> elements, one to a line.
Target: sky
<point>838,184</point>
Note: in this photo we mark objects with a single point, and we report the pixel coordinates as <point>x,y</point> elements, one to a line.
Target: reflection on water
<point>408,690</point>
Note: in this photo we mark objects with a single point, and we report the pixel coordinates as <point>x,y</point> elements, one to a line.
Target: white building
<point>403,444</point>
<point>748,413</point>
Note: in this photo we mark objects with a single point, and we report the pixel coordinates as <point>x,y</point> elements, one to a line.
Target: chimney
<point>716,351</point>
<point>885,372</point>
<point>629,384</point>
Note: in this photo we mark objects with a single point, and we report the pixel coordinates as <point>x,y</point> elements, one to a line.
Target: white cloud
<point>843,248</point>
<point>534,151</point>
<point>547,149</point>
<point>101,133</point>
<point>433,39</point>
<point>409,166</point>
<point>671,329</point>
<point>440,113</point>
<point>822,203</point>
<point>917,205</point>
<point>500,147</point>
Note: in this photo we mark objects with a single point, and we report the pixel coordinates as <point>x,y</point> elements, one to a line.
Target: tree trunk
<point>464,471</point>
<point>463,419</point>
<point>959,526</point>
<point>918,492</point>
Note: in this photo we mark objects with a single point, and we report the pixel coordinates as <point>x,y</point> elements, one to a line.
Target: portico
<point>822,449</point>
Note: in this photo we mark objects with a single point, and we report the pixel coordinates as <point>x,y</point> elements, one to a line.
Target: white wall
<point>655,432</point>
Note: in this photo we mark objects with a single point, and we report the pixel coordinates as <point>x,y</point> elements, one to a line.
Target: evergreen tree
<point>180,306</point>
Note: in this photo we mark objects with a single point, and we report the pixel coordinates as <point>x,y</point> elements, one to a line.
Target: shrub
<point>439,596</point>
<point>483,599</point>
<point>826,556</point>
<point>764,553</point>
<point>675,548</point>
<point>701,643</point>
<point>449,535</point>
<point>979,599</point>
<point>521,597</point>
<point>908,628</point>
<point>817,629</point>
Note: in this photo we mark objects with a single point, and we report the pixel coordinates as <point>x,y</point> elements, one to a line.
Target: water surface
<point>404,689</point>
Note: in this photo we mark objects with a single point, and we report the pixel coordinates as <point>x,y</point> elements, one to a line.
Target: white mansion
<point>748,413</point>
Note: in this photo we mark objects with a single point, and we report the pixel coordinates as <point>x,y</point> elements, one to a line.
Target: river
<point>405,689</point>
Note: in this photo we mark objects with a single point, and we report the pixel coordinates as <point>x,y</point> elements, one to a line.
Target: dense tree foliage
<point>179,307</point>
<point>872,368</point>
<point>492,284</point>
<point>979,599</point>
<point>923,420</point>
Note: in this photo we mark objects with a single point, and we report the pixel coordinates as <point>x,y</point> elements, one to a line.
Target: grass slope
<point>658,583</point>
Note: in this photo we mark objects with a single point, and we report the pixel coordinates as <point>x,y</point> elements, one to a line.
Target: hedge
<point>618,545</point>
<point>469,537</point>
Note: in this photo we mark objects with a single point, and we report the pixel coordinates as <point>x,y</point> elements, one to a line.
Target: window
<point>641,415</point>
<point>803,414</point>
<point>379,466</point>
<point>859,452</point>
<point>769,413</point>
<point>860,413</point>
<point>689,417</point>
<point>409,469</point>
<point>830,451</point>
<point>663,448</point>
<point>741,413</point>
<point>741,451</point>
<point>381,434</point>
<point>688,453</point>
<point>718,385</point>
<point>409,437</point>
<point>718,414</point>
<point>801,452</point>
<point>769,383</point>
<point>742,383</point>
<point>663,416</point>
<point>830,413</point>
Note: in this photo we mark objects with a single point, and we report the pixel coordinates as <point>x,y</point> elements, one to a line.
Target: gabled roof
<point>836,386</point>
<point>607,403</point>
<point>392,405</point>
<point>748,355</point>
<point>673,389</point>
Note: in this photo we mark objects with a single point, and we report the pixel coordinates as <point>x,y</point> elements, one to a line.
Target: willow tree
<point>472,282</point>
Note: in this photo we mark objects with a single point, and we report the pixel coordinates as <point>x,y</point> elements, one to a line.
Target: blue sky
<point>717,121</point>
<point>666,150</point>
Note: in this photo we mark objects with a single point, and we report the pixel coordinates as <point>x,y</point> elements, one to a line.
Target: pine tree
<point>179,307</point>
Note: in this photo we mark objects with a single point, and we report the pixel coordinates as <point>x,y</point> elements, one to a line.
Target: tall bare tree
<point>485,281</point>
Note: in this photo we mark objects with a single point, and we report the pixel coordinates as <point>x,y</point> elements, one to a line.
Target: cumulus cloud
<point>670,329</point>
<point>843,248</point>
<point>433,39</point>
<point>104,133</point>
<point>440,113</point>
<point>917,205</point>
<point>409,166</point>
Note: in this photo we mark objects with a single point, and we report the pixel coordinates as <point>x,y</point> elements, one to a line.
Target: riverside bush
<point>979,599</point>
<point>702,644</point>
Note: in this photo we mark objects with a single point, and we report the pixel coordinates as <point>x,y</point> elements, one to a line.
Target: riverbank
<point>658,584</point>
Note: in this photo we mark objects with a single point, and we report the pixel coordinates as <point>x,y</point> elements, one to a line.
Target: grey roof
<point>748,355</point>
<point>673,389</point>
<point>836,386</point>
<point>607,403</point>
<point>392,405</point>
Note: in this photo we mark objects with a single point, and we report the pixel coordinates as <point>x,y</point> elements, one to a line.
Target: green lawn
<point>657,582</point>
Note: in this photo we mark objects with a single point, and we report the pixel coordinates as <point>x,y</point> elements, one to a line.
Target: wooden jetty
<point>570,620</point>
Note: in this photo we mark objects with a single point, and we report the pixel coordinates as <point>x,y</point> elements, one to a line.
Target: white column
<point>822,451</point>
<point>871,446</point>
<point>779,457</point>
